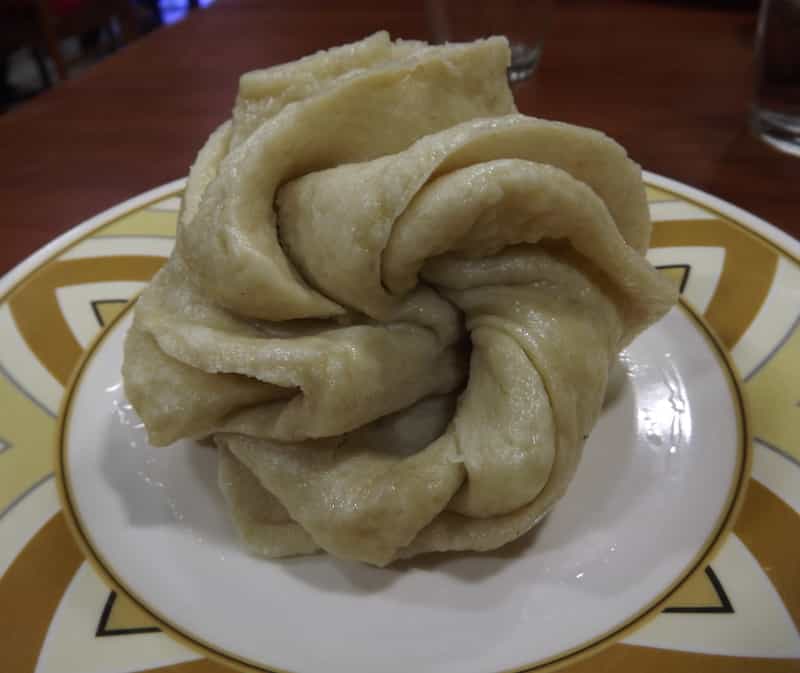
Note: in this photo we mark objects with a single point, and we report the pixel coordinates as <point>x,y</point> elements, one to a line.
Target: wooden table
<point>671,81</point>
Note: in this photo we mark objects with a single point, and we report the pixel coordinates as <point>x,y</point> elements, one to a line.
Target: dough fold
<point>393,302</point>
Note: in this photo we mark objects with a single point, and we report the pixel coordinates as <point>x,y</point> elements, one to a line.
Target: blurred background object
<point>524,22</point>
<point>46,41</point>
<point>672,80</point>
<point>776,108</point>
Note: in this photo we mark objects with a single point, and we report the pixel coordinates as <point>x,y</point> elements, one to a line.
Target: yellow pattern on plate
<point>746,286</point>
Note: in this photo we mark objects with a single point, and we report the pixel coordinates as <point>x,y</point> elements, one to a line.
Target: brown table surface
<point>671,81</point>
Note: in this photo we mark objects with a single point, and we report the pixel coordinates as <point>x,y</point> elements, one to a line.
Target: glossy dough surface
<point>393,302</point>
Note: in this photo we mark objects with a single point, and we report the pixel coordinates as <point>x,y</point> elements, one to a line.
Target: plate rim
<point>19,273</point>
<point>748,221</point>
<point>722,528</point>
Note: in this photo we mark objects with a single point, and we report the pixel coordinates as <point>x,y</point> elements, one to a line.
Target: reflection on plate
<point>657,486</point>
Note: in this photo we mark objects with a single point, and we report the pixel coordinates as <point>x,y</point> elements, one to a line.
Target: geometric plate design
<point>701,594</point>
<point>105,310</point>
<point>749,283</point>
<point>121,617</point>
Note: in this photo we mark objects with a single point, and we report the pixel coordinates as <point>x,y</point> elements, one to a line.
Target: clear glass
<point>524,22</point>
<point>776,108</point>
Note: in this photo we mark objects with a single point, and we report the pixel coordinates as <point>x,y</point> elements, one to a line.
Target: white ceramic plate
<point>657,487</point>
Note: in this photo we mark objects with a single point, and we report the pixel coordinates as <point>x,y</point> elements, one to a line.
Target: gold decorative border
<point>720,532</point>
<point>728,218</point>
<point>5,296</point>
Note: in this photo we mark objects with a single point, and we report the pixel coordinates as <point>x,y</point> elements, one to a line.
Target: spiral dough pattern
<point>393,302</point>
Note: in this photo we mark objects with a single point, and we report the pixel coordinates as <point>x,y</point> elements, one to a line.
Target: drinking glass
<point>775,114</point>
<point>524,22</point>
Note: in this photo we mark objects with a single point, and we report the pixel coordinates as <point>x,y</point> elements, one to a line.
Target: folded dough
<point>393,302</point>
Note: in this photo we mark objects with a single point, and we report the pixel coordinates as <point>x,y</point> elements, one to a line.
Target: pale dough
<point>394,303</point>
